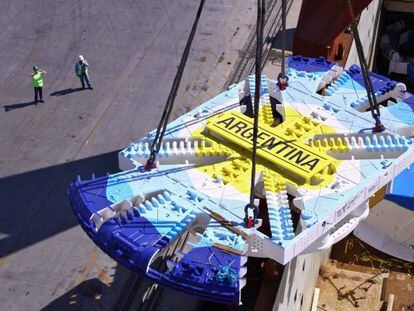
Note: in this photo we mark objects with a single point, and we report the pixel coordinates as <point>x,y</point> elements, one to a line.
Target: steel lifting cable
<point>375,111</point>
<point>162,126</point>
<point>282,70</point>
<point>282,79</point>
<point>258,75</point>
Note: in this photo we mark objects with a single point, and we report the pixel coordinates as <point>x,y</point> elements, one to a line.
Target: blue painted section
<point>89,197</point>
<point>119,192</point>
<point>410,100</point>
<point>403,189</point>
<point>402,111</point>
<point>410,72</point>
<point>131,240</point>
<point>400,114</point>
<point>207,272</point>
<point>307,64</point>
<point>281,224</point>
<point>215,233</point>
<point>177,196</point>
<point>380,83</point>
<point>263,85</point>
<point>136,236</point>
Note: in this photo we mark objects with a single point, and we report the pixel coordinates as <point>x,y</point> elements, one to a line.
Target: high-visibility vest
<point>38,79</point>
<point>80,69</point>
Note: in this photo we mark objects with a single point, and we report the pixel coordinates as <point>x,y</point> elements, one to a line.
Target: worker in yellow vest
<point>37,81</point>
<point>81,70</point>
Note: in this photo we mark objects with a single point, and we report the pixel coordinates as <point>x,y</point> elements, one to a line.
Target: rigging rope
<point>162,126</point>
<point>282,71</point>
<point>282,78</point>
<point>375,111</point>
<point>258,75</point>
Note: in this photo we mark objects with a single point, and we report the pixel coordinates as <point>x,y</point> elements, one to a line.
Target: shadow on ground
<point>122,294</point>
<point>66,91</point>
<point>32,103</point>
<point>87,296</point>
<point>36,202</point>
<point>18,106</point>
<point>93,294</point>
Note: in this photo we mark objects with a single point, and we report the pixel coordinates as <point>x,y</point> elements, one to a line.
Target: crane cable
<point>250,221</point>
<point>282,70</point>
<point>282,79</point>
<point>162,126</point>
<point>375,111</point>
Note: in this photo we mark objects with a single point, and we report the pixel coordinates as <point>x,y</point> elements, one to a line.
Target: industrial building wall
<point>368,31</point>
<point>298,282</point>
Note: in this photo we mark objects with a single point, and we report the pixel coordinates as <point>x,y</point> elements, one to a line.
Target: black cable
<point>258,76</point>
<point>375,111</point>
<point>162,126</point>
<point>282,71</point>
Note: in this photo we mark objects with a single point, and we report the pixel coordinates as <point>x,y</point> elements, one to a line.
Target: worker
<point>81,70</point>
<point>37,81</point>
<point>282,82</point>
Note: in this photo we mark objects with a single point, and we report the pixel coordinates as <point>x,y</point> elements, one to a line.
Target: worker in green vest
<point>81,70</point>
<point>37,80</point>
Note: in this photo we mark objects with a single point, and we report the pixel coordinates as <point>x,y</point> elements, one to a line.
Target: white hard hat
<point>81,57</point>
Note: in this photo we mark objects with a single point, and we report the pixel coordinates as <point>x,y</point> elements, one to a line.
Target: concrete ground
<point>273,65</point>
<point>133,48</point>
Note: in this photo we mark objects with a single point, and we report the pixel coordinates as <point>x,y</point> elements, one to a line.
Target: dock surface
<point>133,48</point>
